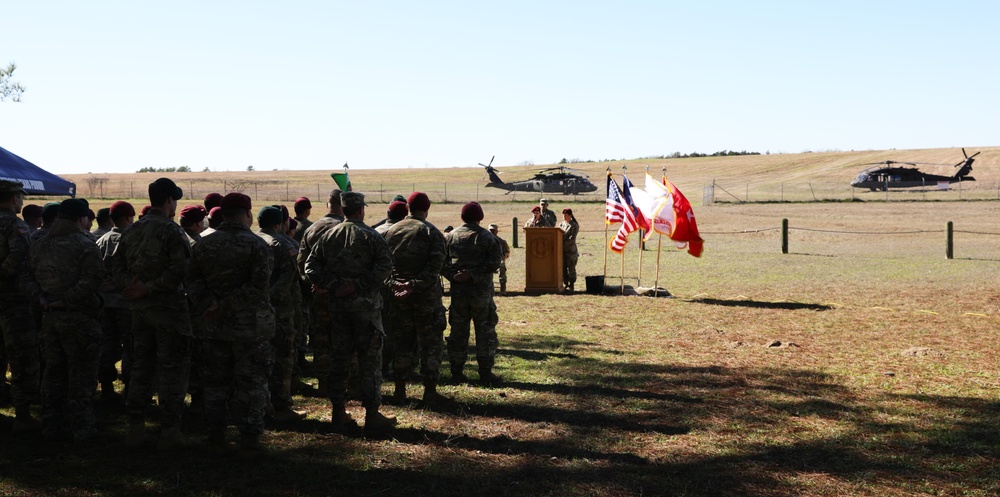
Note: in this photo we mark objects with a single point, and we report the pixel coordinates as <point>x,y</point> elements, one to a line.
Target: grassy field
<point>885,380</point>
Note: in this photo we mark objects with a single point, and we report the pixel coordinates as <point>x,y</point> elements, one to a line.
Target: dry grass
<point>885,384</point>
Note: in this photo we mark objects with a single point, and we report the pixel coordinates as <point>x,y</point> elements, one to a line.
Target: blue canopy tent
<point>36,180</point>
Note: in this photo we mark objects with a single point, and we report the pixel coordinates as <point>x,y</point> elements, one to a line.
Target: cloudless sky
<point>113,86</point>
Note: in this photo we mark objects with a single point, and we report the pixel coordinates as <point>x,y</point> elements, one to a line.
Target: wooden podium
<point>543,265</point>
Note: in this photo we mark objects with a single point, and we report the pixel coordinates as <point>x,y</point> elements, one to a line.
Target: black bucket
<point>595,285</point>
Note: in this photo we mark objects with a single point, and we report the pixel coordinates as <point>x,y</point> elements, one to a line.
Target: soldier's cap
<point>292,224</point>
<point>50,209</point>
<point>11,187</point>
<point>536,209</point>
<point>419,201</point>
<point>568,211</point>
<point>103,214</point>
<point>284,212</point>
<point>193,213</point>
<point>397,210</point>
<point>145,210</point>
<point>543,202</point>
<point>399,198</point>
<point>269,216</point>
<point>236,199</point>
<point>303,203</point>
<point>472,211</point>
<point>214,214</point>
<point>91,215</point>
<point>352,200</point>
<point>213,200</point>
<point>121,208</point>
<point>166,186</point>
<point>73,209</point>
<point>494,227</point>
<point>31,210</point>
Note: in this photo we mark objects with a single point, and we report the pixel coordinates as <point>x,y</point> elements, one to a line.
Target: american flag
<point>614,208</point>
<point>628,219</point>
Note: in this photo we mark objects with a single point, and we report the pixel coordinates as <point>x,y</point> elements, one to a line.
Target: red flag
<point>685,227</point>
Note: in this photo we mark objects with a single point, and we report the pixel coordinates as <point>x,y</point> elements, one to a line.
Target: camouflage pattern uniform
<point>354,253</point>
<point>67,269</point>
<point>232,269</point>
<point>156,251</point>
<point>16,322</point>
<point>116,336</point>
<point>284,282</point>
<point>389,347</point>
<point>472,248</point>
<point>570,252</point>
<point>300,229</point>
<point>417,321</point>
<point>549,218</point>
<point>319,338</point>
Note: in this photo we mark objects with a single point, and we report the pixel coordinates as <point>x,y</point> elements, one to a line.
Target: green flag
<point>342,180</point>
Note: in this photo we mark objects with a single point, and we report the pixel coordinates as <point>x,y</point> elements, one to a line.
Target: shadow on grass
<point>791,306</point>
<point>604,429</point>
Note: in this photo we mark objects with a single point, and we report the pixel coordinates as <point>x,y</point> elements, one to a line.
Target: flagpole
<point>606,225</point>
<point>656,282</point>
<point>624,168</point>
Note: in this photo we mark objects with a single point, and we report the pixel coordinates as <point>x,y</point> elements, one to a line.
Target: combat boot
<point>249,441</point>
<point>457,376</point>
<point>217,436</point>
<point>173,439</point>
<point>341,419</point>
<point>486,376</point>
<point>399,396</point>
<point>378,424</point>
<point>137,436</point>
<point>431,395</point>
<point>24,422</point>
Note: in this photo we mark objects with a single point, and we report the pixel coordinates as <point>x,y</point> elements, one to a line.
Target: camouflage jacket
<point>193,237</point>
<point>351,251</point>
<point>384,227</point>
<point>155,250</point>
<point>472,248</point>
<point>300,229</point>
<point>39,233</point>
<point>66,267</point>
<point>14,236</point>
<point>570,230</point>
<point>549,217</point>
<point>113,298</point>
<point>232,268</point>
<point>418,255</point>
<point>311,237</point>
<point>284,274</point>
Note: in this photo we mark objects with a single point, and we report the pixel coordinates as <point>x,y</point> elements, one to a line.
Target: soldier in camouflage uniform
<point>351,262</point>
<point>418,318</point>
<point>149,266</point>
<point>49,213</point>
<point>317,298</point>
<point>32,215</point>
<point>396,213</point>
<point>303,208</point>
<point>116,336</point>
<point>503,262</point>
<point>16,322</point>
<point>284,278</point>
<point>67,272</point>
<point>104,223</point>
<point>192,220</point>
<point>547,215</point>
<point>230,277</point>
<point>474,255</point>
<point>571,255</point>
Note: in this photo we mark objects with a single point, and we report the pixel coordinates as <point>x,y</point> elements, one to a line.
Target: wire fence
<point>731,192</point>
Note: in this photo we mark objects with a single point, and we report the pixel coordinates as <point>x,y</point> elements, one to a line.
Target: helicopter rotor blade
<point>491,159</point>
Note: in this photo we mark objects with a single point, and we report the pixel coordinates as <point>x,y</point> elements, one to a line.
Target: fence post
<point>784,236</point>
<point>950,237</point>
<point>514,237</point>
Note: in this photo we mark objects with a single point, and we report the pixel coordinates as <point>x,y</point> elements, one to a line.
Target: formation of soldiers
<point>212,309</point>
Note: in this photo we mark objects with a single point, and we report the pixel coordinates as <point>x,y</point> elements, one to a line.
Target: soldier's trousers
<point>236,376</point>
<point>356,335</point>
<point>21,345</point>
<point>71,345</point>
<point>480,311</point>
<point>116,345</point>
<point>569,267</point>
<point>418,341</point>
<point>162,346</point>
<point>319,338</point>
<point>283,343</point>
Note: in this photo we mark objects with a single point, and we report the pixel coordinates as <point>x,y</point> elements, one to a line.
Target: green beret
<point>269,216</point>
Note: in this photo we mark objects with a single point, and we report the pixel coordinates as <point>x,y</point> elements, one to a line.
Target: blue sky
<point>116,86</point>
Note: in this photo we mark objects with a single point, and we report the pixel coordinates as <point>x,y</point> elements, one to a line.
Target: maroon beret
<point>213,200</point>
<point>122,208</point>
<point>284,213</point>
<point>536,209</point>
<point>31,210</point>
<point>145,210</point>
<point>215,213</point>
<point>472,211</point>
<point>419,202</point>
<point>193,213</point>
<point>236,200</point>
<point>303,202</point>
<point>397,210</point>
<point>568,211</point>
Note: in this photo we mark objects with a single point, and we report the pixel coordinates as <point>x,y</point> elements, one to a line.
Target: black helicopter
<point>551,180</point>
<point>891,174</point>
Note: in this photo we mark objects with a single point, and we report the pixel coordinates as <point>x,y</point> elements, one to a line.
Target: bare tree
<point>96,183</point>
<point>9,89</point>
